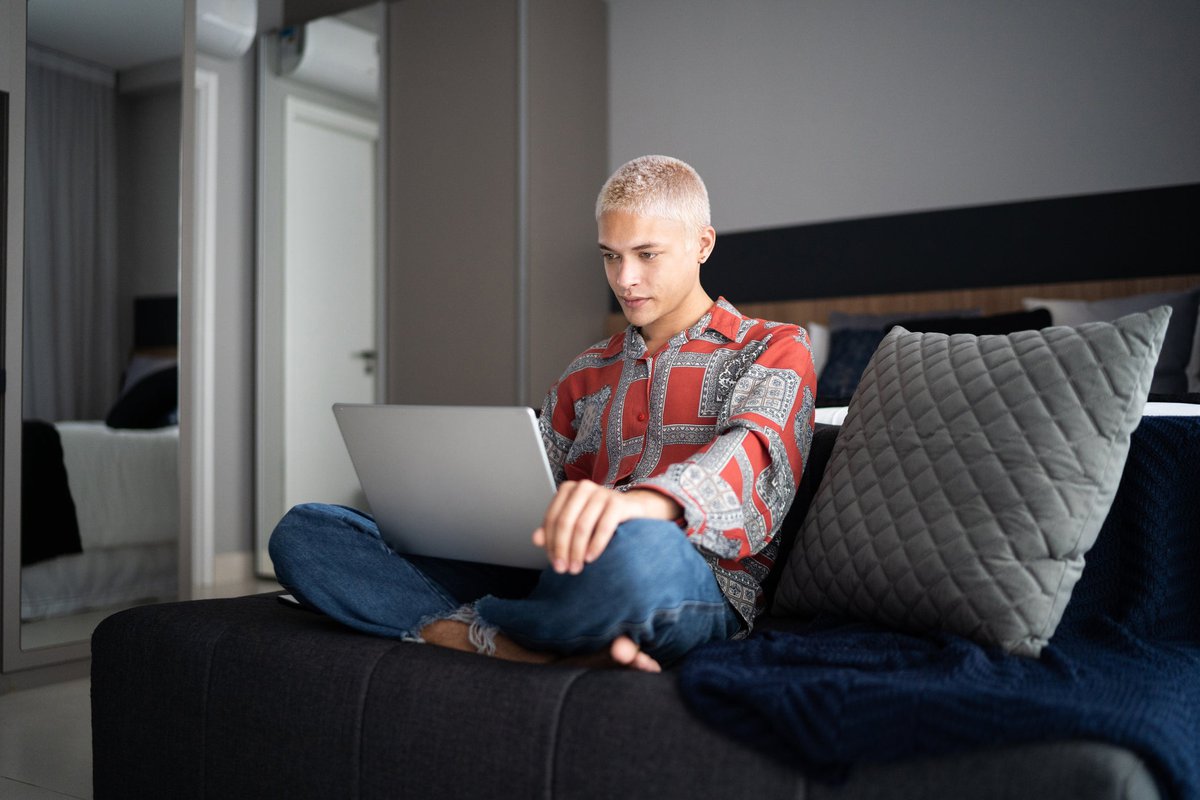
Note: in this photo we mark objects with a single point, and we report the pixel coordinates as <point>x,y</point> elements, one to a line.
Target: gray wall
<point>455,213</point>
<point>148,199</point>
<point>452,95</point>
<point>567,142</point>
<point>793,112</point>
<point>804,111</point>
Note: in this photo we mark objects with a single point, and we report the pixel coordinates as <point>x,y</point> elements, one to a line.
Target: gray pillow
<point>1172,373</point>
<point>971,476</point>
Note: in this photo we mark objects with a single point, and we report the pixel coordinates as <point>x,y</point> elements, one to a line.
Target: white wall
<point>233,518</point>
<point>804,111</point>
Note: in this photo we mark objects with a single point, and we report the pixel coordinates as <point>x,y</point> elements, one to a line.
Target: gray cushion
<point>971,476</point>
<point>1172,373</point>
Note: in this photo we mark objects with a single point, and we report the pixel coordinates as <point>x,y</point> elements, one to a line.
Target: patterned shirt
<point>719,420</point>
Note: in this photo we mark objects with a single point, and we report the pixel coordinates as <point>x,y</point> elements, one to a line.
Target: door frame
<point>274,93</point>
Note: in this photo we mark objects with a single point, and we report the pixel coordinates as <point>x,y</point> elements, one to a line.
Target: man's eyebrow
<point>646,246</point>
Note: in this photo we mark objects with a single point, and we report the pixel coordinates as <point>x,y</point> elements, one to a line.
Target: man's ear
<point>708,240</point>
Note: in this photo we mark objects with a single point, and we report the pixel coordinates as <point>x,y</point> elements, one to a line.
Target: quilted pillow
<point>971,476</point>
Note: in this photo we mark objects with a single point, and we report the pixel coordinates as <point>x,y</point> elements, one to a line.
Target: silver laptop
<point>464,482</point>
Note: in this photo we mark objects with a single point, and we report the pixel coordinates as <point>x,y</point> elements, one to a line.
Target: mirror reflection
<point>100,490</point>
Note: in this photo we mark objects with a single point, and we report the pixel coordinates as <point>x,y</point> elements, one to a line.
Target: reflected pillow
<point>151,402</point>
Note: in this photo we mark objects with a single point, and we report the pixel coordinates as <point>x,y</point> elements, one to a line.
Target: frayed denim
<point>649,584</point>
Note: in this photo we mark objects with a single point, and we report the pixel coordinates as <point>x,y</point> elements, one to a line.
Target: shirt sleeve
<point>555,426</point>
<point>736,490</point>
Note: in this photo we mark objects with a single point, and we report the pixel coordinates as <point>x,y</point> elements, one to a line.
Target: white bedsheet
<point>103,578</point>
<point>125,483</point>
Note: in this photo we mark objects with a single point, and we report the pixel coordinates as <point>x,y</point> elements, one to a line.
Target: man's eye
<point>649,256</point>
<point>609,256</point>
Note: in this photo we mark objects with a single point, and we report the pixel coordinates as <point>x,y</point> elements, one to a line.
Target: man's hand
<point>583,516</point>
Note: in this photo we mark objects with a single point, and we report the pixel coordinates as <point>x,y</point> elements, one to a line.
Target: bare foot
<point>455,635</point>
<point>624,652</point>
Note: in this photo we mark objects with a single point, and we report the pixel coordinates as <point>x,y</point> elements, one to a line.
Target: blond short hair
<point>657,186</point>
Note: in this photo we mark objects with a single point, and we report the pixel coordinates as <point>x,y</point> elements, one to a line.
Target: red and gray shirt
<point>720,420</point>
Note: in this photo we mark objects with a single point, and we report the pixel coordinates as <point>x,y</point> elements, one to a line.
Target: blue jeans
<point>649,584</point>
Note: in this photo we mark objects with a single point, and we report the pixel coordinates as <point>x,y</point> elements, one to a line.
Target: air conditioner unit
<point>332,55</point>
<point>226,28</point>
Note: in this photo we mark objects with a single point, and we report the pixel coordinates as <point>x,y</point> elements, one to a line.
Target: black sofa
<point>252,698</point>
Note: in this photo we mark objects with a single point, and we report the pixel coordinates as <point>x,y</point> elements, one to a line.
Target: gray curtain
<point>72,363</point>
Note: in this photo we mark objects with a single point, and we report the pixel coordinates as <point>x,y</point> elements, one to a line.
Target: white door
<point>329,234</point>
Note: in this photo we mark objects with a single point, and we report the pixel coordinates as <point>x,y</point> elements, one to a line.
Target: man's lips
<point>634,302</point>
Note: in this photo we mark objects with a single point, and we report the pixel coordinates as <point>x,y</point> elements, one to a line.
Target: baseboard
<point>233,567</point>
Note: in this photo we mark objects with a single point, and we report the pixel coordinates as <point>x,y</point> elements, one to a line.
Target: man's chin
<point>638,316</point>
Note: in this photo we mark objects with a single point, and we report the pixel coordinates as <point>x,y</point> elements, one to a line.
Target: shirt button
<point>641,417</point>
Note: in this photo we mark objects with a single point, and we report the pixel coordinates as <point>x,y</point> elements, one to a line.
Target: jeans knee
<point>295,534</point>
<point>643,553</point>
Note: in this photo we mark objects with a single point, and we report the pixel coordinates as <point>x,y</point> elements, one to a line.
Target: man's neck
<point>658,334</point>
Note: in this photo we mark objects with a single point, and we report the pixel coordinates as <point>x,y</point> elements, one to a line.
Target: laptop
<point>465,482</point>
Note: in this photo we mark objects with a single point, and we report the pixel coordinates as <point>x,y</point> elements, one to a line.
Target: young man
<point>677,446</point>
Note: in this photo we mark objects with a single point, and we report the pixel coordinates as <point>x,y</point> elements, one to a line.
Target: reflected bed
<point>124,489</point>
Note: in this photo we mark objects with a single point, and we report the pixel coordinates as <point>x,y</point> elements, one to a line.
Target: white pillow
<point>832,415</point>
<point>818,337</point>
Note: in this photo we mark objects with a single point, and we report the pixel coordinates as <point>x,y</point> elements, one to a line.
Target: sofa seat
<point>250,698</point>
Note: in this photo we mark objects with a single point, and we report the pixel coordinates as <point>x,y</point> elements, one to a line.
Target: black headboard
<point>1141,233</point>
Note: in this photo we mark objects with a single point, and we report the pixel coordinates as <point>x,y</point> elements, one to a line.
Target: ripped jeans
<point>649,584</point>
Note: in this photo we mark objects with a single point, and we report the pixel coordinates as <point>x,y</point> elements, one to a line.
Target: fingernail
<point>559,565</point>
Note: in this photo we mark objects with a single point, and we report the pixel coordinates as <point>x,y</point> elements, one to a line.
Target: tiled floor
<point>46,732</point>
<point>46,742</point>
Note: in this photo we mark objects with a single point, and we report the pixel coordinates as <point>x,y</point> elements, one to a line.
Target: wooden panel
<point>991,301</point>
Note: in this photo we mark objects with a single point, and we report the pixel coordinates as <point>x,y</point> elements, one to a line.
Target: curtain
<point>72,364</point>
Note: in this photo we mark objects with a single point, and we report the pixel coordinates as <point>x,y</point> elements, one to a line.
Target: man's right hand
<point>583,516</point>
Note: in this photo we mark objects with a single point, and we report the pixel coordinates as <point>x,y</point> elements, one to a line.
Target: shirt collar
<point>722,318</point>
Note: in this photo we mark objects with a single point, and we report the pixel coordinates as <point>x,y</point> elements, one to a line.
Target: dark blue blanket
<point>1124,666</point>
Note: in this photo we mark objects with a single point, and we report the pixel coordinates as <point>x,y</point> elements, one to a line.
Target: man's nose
<point>628,275</point>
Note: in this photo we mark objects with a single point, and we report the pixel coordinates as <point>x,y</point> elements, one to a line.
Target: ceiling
<point>117,34</point>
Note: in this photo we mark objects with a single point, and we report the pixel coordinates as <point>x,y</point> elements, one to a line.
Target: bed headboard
<point>1088,247</point>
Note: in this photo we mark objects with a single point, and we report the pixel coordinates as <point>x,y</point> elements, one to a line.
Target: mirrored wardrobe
<point>92,500</point>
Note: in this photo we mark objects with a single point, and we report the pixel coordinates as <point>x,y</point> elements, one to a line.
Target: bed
<point>100,506</point>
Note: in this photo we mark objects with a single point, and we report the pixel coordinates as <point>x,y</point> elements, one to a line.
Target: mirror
<point>100,488</point>
<point>320,223</point>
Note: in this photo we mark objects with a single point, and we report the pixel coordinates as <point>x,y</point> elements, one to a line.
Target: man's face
<point>653,267</point>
